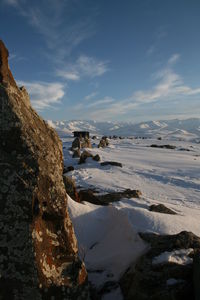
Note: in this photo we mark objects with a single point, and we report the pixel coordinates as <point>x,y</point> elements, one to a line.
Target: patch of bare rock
<point>92,196</point>
<point>163,146</point>
<point>103,142</point>
<point>111,163</point>
<point>161,208</point>
<point>80,142</point>
<point>38,248</point>
<point>168,280</point>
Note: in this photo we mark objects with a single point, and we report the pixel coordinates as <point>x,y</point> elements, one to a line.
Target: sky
<point>106,60</point>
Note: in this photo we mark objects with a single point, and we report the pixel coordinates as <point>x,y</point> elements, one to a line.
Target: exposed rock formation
<point>70,187</point>
<point>38,249</point>
<point>111,163</point>
<point>96,157</point>
<point>77,153</point>
<point>161,208</point>
<point>103,142</point>
<point>91,196</point>
<point>84,156</point>
<point>79,143</point>
<point>167,280</point>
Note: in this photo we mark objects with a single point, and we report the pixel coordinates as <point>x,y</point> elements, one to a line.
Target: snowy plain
<point>108,235</point>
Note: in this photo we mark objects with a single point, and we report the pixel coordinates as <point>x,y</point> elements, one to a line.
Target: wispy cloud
<point>169,87</point>
<point>99,102</point>
<point>173,59</point>
<point>90,96</point>
<point>50,18</point>
<point>160,34</point>
<point>85,66</point>
<point>44,95</point>
<point>11,2</point>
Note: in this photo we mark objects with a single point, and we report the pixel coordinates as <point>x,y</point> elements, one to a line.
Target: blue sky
<point>131,60</point>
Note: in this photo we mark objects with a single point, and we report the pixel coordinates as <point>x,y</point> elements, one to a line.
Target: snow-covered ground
<point>108,236</point>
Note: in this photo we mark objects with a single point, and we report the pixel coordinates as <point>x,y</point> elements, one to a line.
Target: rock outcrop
<point>103,142</point>
<point>38,248</point>
<point>79,143</point>
<point>169,280</point>
<point>104,199</point>
<point>161,208</point>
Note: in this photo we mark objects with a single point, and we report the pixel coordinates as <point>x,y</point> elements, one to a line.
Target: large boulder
<point>79,143</point>
<point>85,143</point>
<point>38,248</point>
<point>161,208</point>
<point>84,155</point>
<point>155,277</point>
<point>103,142</point>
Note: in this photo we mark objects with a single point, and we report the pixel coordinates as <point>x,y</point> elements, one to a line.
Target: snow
<point>106,240</point>
<point>108,235</point>
<point>167,128</point>
<point>179,257</point>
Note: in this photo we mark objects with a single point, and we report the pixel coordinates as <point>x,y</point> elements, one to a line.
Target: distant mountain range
<point>178,129</point>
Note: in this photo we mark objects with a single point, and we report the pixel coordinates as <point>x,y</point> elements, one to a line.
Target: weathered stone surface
<point>76,144</point>
<point>103,142</point>
<point>161,208</point>
<point>79,143</point>
<point>68,169</point>
<point>148,281</point>
<point>85,143</point>
<point>96,157</point>
<point>84,156</point>
<point>38,248</point>
<point>91,196</point>
<point>70,187</point>
<point>77,153</point>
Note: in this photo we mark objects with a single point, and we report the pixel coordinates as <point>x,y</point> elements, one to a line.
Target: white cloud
<point>52,19</point>
<point>74,76</point>
<point>169,87</point>
<point>174,58</point>
<point>99,102</point>
<point>91,67</point>
<point>42,94</point>
<point>84,66</point>
<point>90,96</point>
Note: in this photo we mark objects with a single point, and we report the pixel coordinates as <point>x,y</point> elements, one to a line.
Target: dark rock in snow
<point>163,146</point>
<point>76,144</point>
<point>103,142</point>
<point>38,248</point>
<point>91,196</point>
<point>149,281</point>
<point>84,156</point>
<point>112,163</point>
<point>96,157</point>
<point>68,169</point>
<point>77,153</point>
<point>160,208</point>
<point>85,143</point>
<point>70,187</point>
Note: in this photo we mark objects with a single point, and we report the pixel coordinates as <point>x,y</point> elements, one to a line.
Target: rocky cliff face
<point>38,248</point>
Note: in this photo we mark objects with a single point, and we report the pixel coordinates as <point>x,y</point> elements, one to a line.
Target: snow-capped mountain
<point>181,129</point>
